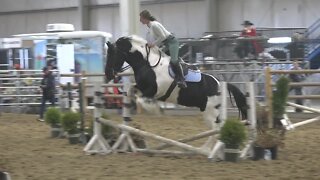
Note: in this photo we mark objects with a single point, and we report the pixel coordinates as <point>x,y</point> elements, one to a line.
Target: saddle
<point>191,72</point>
<point>187,66</point>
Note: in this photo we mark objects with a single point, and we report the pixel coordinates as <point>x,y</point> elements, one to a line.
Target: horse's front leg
<point>147,104</point>
<point>210,116</point>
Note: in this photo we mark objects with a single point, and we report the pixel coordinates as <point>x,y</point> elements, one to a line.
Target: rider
<point>164,37</point>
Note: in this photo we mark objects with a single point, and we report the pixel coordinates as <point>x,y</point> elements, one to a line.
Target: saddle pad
<point>191,76</point>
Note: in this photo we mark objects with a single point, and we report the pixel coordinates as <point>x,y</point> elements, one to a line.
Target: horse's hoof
<point>246,122</point>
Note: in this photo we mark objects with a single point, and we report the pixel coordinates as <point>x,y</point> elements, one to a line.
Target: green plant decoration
<point>70,122</point>
<point>233,132</point>
<point>53,116</point>
<point>280,97</point>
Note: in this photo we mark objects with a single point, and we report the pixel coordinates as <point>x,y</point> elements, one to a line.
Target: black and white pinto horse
<point>151,72</point>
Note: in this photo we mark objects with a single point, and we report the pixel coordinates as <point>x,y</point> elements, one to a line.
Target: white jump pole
<point>97,144</point>
<point>303,107</point>
<point>305,122</point>
<point>289,125</point>
<point>247,150</point>
<point>189,139</point>
<point>153,136</point>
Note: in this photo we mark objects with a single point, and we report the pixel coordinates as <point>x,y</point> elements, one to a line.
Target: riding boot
<point>179,75</point>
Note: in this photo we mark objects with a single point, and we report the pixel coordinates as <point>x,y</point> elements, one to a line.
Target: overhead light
<point>207,36</point>
<point>279,40</point>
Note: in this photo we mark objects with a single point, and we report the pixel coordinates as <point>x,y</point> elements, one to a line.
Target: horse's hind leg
<point>210,116</point>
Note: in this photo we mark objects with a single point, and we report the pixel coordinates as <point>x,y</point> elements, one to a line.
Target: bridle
<point>148,50</point>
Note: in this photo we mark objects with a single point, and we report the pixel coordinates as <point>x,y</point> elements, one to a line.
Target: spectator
<point>296,47</point>
<point>297,78</point>
<point>245,47</point>
<point>48,90</point>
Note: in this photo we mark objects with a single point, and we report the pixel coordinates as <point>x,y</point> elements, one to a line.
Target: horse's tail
<point>240,99</point>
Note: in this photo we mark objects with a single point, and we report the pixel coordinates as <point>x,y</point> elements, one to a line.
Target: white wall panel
<point>268,13</point>
<point>61,17</point>
<point>311,10</point>
<point>106,19</point>
<point>259,12</point>
<point>230,14</point>
<point>16,23</point>
<point>185,19</point>
<point>36,22</point>
<point>175,18</point>
<point>289,13</point>
<point>197,19</point>
<point>23,5</point>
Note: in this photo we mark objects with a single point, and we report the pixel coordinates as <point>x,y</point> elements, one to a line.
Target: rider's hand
<point>150,45</point>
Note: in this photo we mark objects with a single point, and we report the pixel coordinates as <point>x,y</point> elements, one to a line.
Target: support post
<point>83,138</point>
<point>125,142</point>
<point>97,144</point>
<point>223,116</point>
<point>268,89</point>
<point>84,14</point>
<point>69,90</point>
<point>247,150</point>
<point>129,17</point>
<point>84,90</point>
<point>224,104</point>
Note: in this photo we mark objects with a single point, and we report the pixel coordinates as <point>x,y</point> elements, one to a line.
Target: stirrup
<point>182,84</point>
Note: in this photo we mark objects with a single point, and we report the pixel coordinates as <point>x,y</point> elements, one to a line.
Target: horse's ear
<point>109,44</point>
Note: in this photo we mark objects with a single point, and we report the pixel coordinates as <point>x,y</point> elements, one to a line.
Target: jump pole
<point>223,116</point>
<point>289,125</point>
<point>97,144</point>
<point>124,142</point>
<point>154,136</point>
<point>189,139</point>
<point>247,150</point>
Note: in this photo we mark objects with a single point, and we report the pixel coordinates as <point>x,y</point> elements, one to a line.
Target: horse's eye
<point>141,46</point>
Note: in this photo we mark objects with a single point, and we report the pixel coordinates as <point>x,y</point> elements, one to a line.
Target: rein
<point>148,52</point>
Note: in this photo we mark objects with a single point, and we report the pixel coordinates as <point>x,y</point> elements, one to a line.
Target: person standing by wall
<point>48,89</point>
<point>248,46</point>
<point>163,37</point>
<point>296,47</point>
<point>297,78</point>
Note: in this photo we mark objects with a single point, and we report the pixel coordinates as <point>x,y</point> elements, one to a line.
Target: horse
<point>151,69</point>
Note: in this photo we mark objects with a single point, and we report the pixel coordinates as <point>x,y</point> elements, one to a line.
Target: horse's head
<point>116,56</point>
<point>125,49</point>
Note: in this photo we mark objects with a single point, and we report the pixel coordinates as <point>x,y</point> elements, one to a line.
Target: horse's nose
<point>109,73</point>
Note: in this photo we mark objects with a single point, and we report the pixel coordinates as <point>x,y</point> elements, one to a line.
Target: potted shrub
<point>53,118</point>
<point>233,135</point>
<point>271,138</point>
<point>279,100</point>
<point>268,139</point>
<point>70,124</point>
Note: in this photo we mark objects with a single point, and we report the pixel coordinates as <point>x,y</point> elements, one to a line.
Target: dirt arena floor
<point>28,152</point>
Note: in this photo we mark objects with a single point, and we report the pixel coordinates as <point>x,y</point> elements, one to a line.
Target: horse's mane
<point>135,39</point>
<point>138,39</point>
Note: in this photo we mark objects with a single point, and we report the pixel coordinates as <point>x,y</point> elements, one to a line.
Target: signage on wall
<point>7,43</point>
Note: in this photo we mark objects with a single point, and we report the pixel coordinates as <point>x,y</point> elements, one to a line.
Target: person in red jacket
<point>248,46</point>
